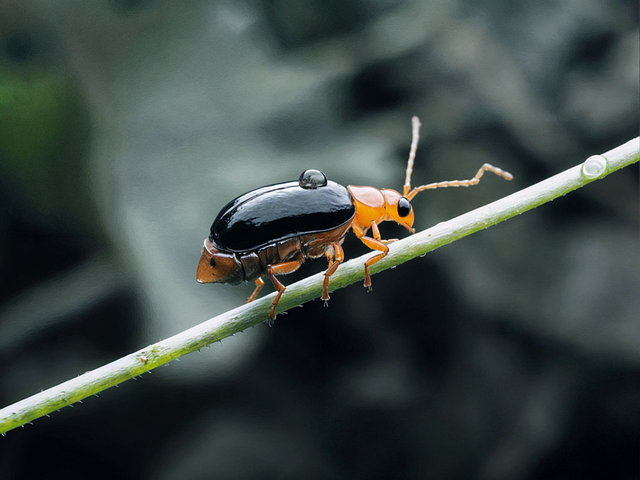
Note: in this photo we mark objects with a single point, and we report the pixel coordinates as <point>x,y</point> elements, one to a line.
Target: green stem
<point>238,319</point>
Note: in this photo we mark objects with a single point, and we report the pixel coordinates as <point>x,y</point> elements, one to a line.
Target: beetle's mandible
<point>272,230</point>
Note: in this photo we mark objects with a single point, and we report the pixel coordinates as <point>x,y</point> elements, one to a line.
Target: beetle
<point>272,230</point>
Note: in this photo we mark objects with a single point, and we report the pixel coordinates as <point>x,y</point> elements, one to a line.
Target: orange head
<point>373,205</point>
<point>398,209</point>
<point>216,266</point>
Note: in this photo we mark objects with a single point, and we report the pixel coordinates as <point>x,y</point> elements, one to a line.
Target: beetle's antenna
<point>415,136</point>
<point>462,183</point>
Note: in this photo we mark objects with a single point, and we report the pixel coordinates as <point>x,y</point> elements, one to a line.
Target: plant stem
<point>238,319</point>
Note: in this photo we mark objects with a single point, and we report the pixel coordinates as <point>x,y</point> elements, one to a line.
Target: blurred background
<point>126,125</point>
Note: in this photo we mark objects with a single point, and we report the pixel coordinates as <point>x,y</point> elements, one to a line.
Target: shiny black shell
<point>277,212</point>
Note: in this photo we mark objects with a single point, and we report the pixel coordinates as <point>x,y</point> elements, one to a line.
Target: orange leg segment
<point>335,260</point>
<point>272,271</point>
<point>375,243</point>
<point>259,285</point>
<point>279,269</point>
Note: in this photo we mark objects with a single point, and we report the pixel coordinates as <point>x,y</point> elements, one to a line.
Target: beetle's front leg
<point>375,243</point>
<point>335,260</point>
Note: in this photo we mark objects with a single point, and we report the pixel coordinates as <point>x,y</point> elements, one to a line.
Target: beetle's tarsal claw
<point>369,288</point>
<point>325,302</point>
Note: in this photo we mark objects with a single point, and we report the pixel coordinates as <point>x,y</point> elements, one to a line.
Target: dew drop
<point>594,166</point>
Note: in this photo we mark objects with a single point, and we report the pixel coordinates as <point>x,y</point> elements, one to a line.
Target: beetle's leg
<point>279,269</point>
<point>334,261</point>
<point>329,256</point>
<point>259,285</point>
<point>375,243</point>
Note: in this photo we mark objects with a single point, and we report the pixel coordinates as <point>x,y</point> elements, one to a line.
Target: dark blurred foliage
<point>126,124</point>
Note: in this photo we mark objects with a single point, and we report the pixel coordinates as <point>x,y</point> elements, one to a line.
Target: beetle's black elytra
<point>277,212</point>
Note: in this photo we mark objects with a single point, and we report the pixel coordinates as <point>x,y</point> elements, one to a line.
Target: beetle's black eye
<point>404,207</point>
<point>312,179</point>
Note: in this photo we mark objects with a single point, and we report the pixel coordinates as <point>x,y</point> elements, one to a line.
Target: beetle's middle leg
<point>335,260</point>
<point>280,269</point>
<point>259,285</point>
<point>375,243</point>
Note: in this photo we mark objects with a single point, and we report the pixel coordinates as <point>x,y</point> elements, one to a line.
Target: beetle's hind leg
<point>279,269</point>
<point>335,260</point>
<point>259,285</point>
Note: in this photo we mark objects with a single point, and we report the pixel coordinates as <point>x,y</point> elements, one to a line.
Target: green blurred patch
<point>32,126</point>
<point>44,131</point>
